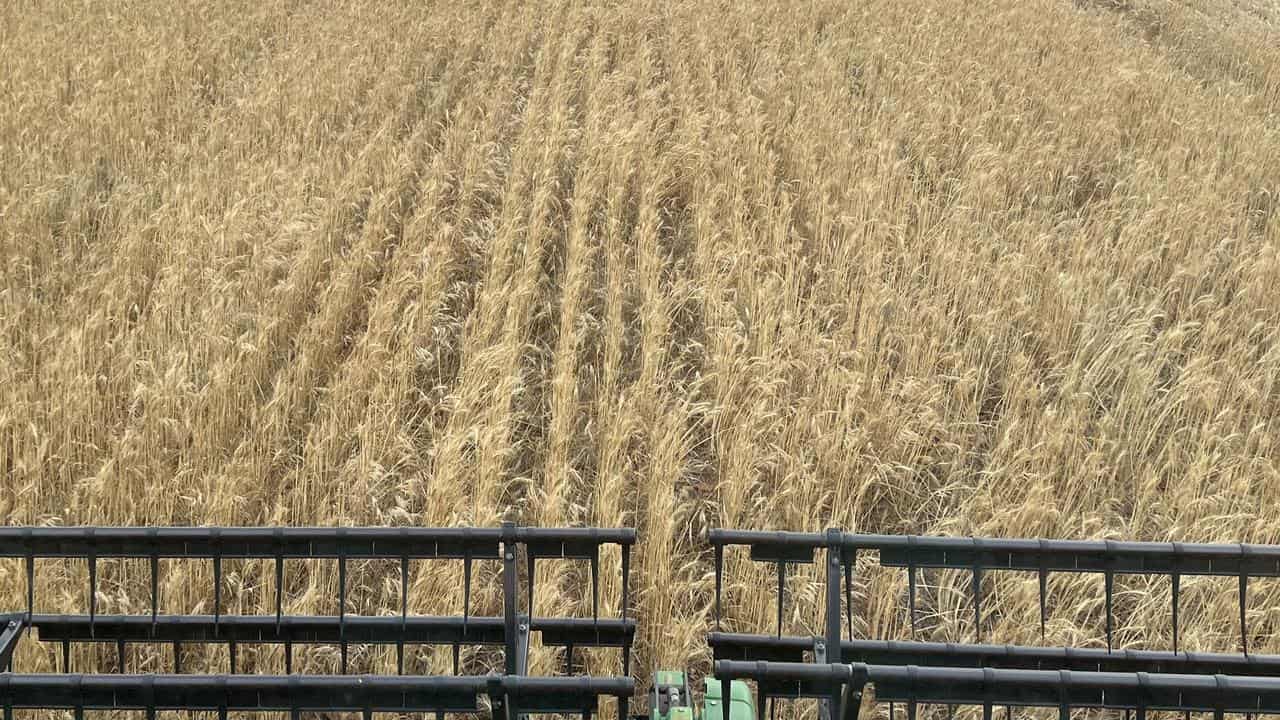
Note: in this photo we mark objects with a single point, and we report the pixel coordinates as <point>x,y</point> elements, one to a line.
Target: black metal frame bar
<point>988,687</point>
<point>293,630</point>
<point>367,693</point>
<point>795,649</point>
<point>313,542</point>
<point>1107,557</point>
<point>511,630</point>
<point>377,630</point>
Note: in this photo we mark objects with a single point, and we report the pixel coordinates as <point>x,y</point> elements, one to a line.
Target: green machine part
<point>741,706</point>
<point>670,699</point>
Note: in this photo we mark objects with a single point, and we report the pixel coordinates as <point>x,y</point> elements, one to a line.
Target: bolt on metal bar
<point>819,657</point>
<point>510,595</point>
<point>835,564</point>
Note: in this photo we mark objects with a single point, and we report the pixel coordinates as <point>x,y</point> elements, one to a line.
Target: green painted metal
<point>681,713</point>
<point>669,677</point>
<point>741,705</point>
<point>669,698</point>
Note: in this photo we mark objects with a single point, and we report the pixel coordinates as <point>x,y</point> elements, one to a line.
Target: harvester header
<point>752,672</point>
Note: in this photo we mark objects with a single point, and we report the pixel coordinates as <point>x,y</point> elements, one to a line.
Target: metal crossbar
<point>795,649</point>
<point>304,542</point>
<point>296,693</point>
<point>986,687</point>
<point>507,691</point>
<point>291,630</point>
<point>378,630</point>
<point>978,555</point>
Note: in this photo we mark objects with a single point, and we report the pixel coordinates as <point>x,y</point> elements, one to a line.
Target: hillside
<point>995,267</point>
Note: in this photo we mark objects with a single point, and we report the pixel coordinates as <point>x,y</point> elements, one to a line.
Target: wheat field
<point>998,267</point>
